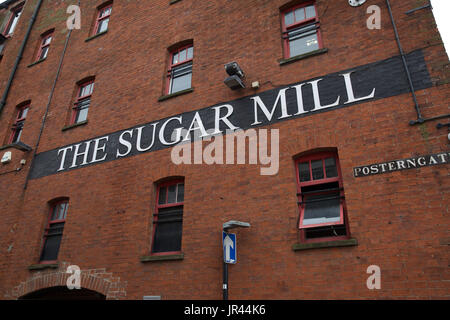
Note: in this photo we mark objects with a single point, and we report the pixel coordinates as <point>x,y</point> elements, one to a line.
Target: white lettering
<point>350,94</point>
<point>63,158</point>
<point>281,97</point>
<point>317,103</point>
<point>124,142</point>
<point>97,148</point>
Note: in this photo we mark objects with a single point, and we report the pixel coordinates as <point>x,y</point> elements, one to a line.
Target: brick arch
<point>98,280</point>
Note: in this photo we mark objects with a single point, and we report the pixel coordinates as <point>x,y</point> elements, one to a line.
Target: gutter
<point>48,103</point>
<point>420,119</point>
<point>405,65</point>
<point>19,57</point>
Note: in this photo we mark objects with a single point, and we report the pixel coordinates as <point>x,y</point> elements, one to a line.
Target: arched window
<point>54,230</point>
<point>300,29</point>
<point>13,19</point>
<point>320,194</point>
<point>19,122</point>
<point>179,72</point>
<point>102,18</point>
<point>168,217</point>
<point>82,102</point>
<point>44,45</point>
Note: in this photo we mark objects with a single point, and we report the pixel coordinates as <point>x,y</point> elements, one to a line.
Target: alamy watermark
<point>374,281</point>
<point>74,281</point>
<point>374,20</point>
<point>228,148</point>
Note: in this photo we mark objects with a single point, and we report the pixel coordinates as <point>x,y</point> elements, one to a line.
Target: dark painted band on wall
<point>351,87</point>
<point>403,164</point>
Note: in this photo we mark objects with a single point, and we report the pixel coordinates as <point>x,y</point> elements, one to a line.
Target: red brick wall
<point>400,219</point>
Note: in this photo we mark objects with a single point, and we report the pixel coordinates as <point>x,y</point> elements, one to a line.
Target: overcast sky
<point>441,10</point>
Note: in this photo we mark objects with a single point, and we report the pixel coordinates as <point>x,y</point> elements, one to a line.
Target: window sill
<point>176,94</point>
<point>36,62</point>
<point>96,36</point>
<point>326,244</point>
<point>302,56</point>
<point>71,126</point>
<point>42,266</point>
<point>18,145</point>
<point>167,257</point>
<point>174,1</point>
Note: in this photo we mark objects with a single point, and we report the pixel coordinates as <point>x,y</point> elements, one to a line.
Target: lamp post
<point>227,226</point>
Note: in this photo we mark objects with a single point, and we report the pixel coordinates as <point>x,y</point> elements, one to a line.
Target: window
<point>54,231</point>
<point>179,74</point>
<point>300,27</point>
<point>83,101</point>
<point>46,38</point>
<point>14,18</point>
<point>19,122</point>
<point>321,197</point>
<point>102,20</point>
<point>168,218</point>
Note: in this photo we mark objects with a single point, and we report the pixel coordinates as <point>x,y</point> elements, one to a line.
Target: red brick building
<point>87,176</point>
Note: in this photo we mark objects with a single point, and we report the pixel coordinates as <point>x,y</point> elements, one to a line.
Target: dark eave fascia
<point>7,3</point>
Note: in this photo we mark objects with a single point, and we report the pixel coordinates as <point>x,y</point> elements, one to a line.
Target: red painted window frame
<point>17,121</point>
<point>49,223</point>
<point>19,8</point>
<point>301,206</point>
<point>160,206</point>
<point>99,18</point>
<point>42,44</point>
<point>295,25</point>
<point>81,85</point>
<point>174,65</point>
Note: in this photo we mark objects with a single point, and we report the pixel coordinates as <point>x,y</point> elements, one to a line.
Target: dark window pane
<point>302,43</point>
<point>299,14</point>
<point>86,90</point>
<point>162,195</point>
<point>168,230</point>
<point>62,210</point>
<point>81,115</point>
<point>59,211</point>
<point>17,134</point>
<point>190,52</point>
<point>180,196</point>
<point>103,25</point>
<point>303,169</point>
<point>327,231</point>
<point>310,12</point>
<point>323,208</point>
<point>52,242</point>
<point>330,167</point>
<point>55,213</point>
<point>317,169</point>
<point>23,113</point>
<point>289,18</point>
<point>43,53</point>
<point>182,55</point>
<point>175,58</point>
<point>106,11</point>
<point>47,41</point>
<point>181,78</point>
<point>171,198</point>
<point>14,21</point>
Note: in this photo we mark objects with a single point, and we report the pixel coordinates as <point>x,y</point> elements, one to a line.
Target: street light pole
<point>226,226</point>
<point>225,280</point>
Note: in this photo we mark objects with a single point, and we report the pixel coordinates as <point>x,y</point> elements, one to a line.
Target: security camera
<point>233,68</point>
<point>234,81</point>
<point>356,3</point>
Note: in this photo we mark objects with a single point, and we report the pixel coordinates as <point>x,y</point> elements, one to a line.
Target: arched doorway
<point>63,293</point>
